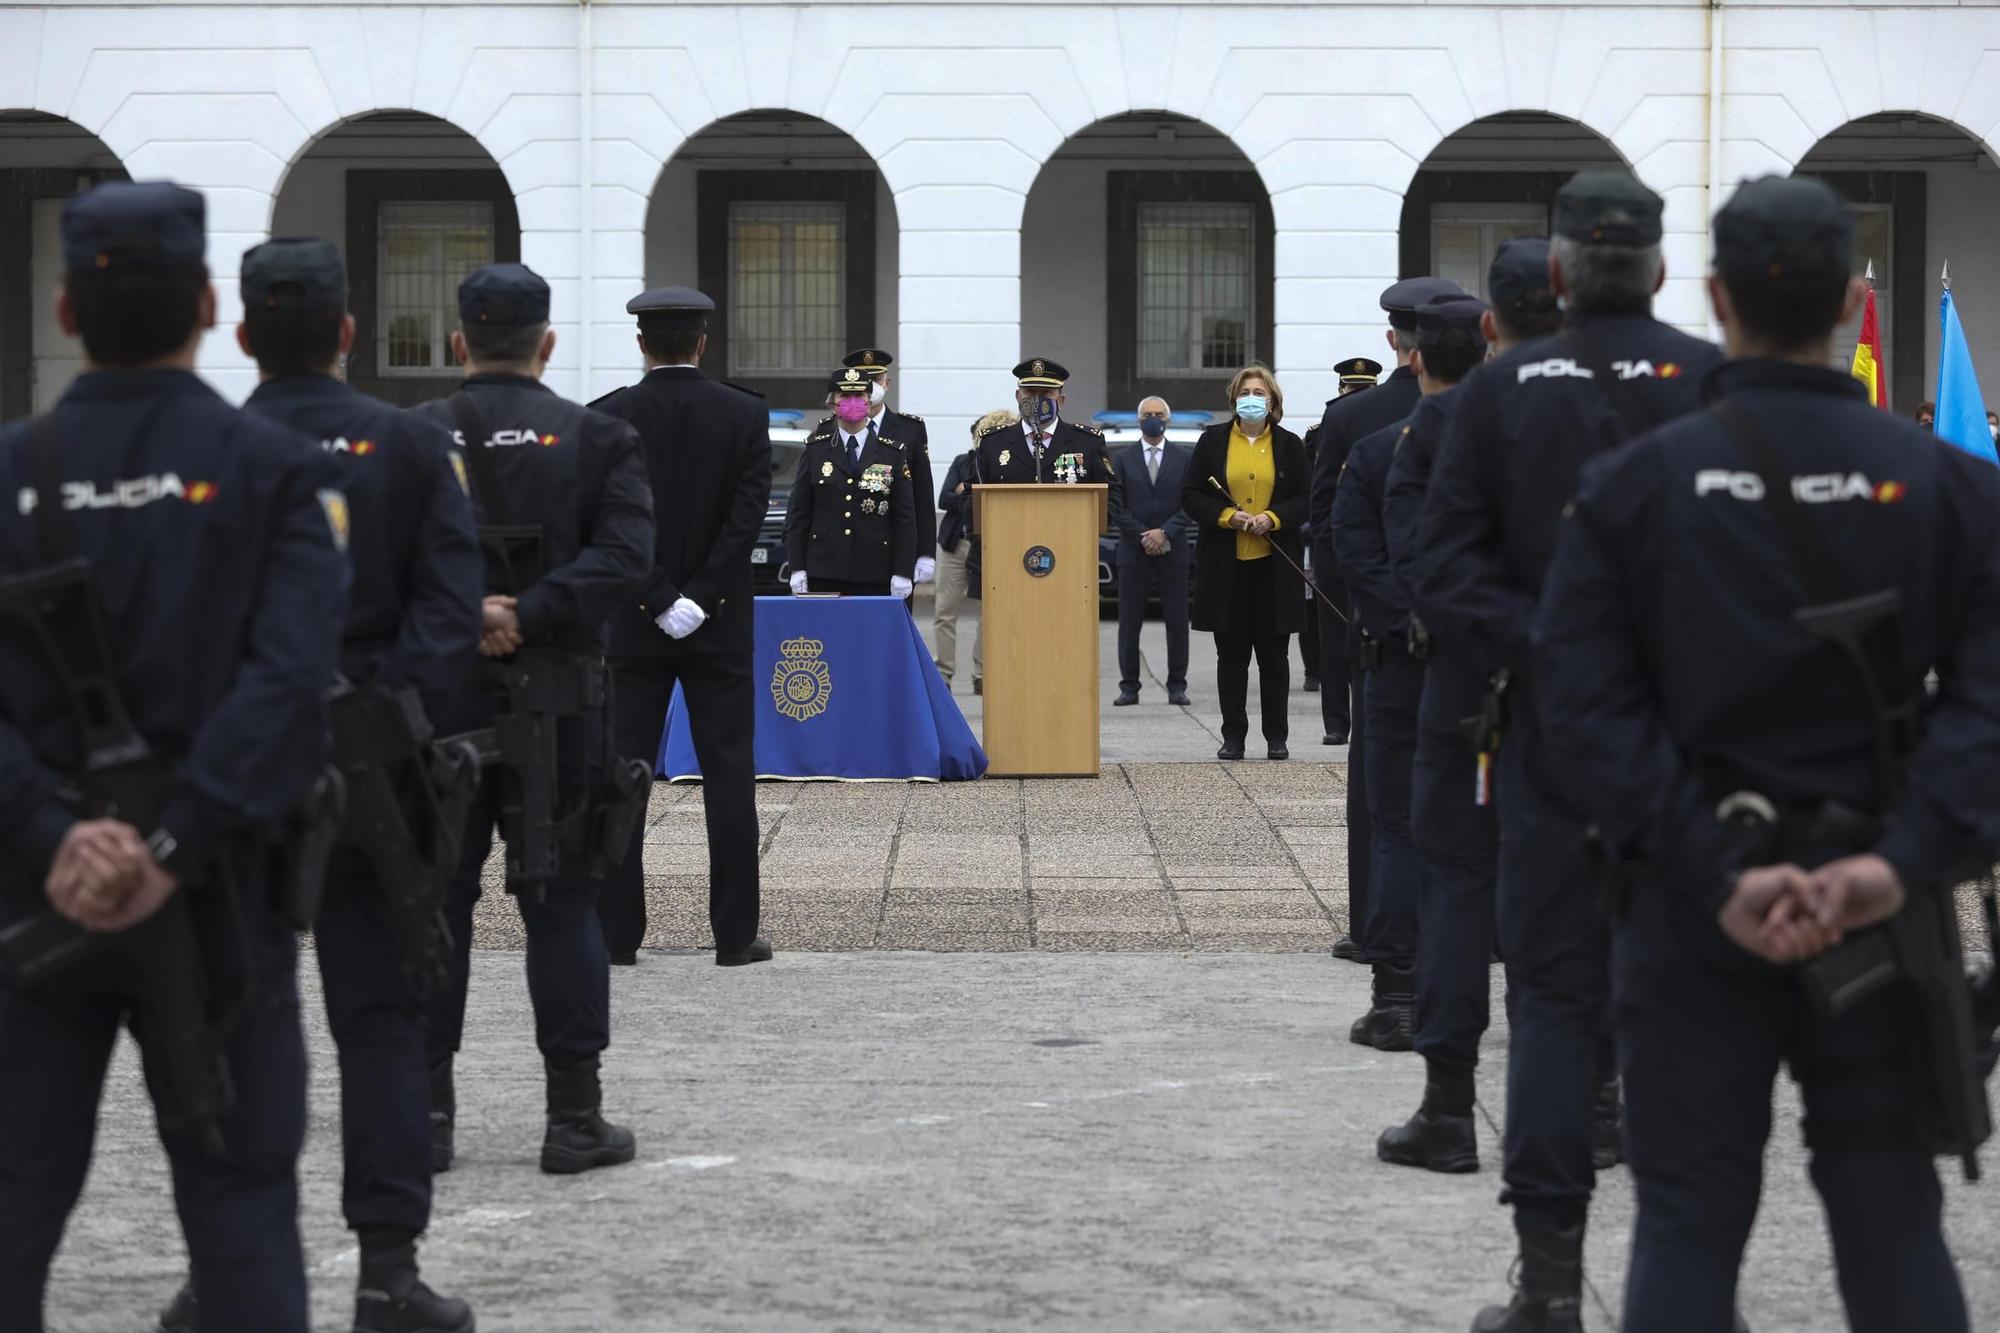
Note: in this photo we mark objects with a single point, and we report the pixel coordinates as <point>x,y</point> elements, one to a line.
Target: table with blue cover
<point>847,692</point>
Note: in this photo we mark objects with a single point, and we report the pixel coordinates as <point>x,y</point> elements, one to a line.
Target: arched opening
<point>415,204</point>
<point>1924,193</point>
<point>785,222</point>
<point>1147,262</point>
<point>43,161</point>
<point>1487,183</point>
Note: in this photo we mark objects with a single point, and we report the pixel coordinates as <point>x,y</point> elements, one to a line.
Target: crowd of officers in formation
<point>1676,685</point>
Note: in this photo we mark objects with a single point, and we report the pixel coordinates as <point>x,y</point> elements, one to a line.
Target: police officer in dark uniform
<point>850,526</point>
<point>1670,685</point>
<point>1521,427</point>
<point>1452,814</point>
<point>413,620</point>
<point>573,478</point>
<point>708,459</point>
<point>1043,448</point>
<point>1357,373</point>
<point>1347,418</point>
<point>915,438</point>
<point>1394,650</point>
<point>212,541</point>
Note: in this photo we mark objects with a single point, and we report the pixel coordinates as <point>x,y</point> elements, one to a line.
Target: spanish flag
<point>1867,365</point>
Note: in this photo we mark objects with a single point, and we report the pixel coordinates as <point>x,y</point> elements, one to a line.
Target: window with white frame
<point>787,287</point>
<point>424,250</point>
<point>1197,284</point>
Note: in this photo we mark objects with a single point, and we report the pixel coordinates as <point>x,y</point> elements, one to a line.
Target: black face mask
<point>1152,427</point>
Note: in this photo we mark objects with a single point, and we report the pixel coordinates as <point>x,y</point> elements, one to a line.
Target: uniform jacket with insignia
<point>1005,456</point>
<point>413,614</point>
<point>858,525</point>
<point>1345,421</point>
<point>915,437</point>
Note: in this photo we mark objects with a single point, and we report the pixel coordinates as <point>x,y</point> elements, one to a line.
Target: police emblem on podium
<point>801,683</point>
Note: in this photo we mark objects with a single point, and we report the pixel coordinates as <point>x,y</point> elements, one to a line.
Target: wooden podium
<point>1038,583</point>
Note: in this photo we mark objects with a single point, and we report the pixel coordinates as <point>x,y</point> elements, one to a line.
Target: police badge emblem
<point>1006,457</point>
<point>826,469</point>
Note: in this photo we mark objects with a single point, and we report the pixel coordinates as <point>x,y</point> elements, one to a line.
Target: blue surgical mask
<point>1252,408</point>
<point>1152,427</point>
<point>1039,410</point>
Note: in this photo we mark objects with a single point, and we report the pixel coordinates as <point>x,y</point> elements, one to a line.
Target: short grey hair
<point>1155,398</point>
<point>1607,279</point>
<point>1406,339</point>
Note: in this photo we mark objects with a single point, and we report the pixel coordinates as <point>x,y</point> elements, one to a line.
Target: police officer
<point>412,621</point>
<point>1346,419</point>
<point>1668,685</point>
<point>1452,814</point>
<point>212,541</point>
<point>850,526</point>
<point>708,459</point>
<point>1394,650</point>
<point>574,477</point>
<point>1357,373</point>
<point>1520,428</point>
<point>886,423</point>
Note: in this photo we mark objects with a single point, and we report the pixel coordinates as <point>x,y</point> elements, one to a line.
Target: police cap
<point>1038,372</point>
<point>1451,323</point>
<point>868,360</point>
<point>295,273</point>
<point>1402,299</point>
<point>848,380</point>
<point>1518,282</point>
<point>507,296</point>
<point>671,310</point>
<point>1358,370</point>
<point>1607,208</point>
<point>1785,231</point>
<point>134,227</point>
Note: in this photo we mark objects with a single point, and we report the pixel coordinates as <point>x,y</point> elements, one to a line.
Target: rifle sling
<point>1637,415</point>
<point>487,492</point>
<point>55,535</point>
<point>1811,558</point>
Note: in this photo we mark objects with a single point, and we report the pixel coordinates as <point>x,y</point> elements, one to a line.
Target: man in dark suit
<point>848,527</point>
<point>708,456</point>
<point>1152,548</point>
<point>915,437</point>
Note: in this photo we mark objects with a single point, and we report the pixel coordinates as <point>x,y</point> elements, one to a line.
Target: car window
<point>785,459</point>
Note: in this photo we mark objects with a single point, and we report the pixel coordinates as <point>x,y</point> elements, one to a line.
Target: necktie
<point>1153,464</point>
<point>1041,441</point>
<point>853,452</point>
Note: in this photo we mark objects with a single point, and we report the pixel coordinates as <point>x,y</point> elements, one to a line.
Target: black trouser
<point>376,1017</point>
<point>1702,1029</point>
<point>1360,839</point>
<point>722,718</point>
<point>1309,641</point>
<point>1339,690</point>
<point>1389,931</point>
<point>239,1210</point>
<point>1458,840</point>
<point>1138,572</point>
<point>1253,590</point>
<point>1556,942</point>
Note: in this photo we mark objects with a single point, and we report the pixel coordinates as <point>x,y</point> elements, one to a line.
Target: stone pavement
<point>1142,1142</point>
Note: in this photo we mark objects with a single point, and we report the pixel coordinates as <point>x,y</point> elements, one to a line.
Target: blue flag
<point>1961,411</point>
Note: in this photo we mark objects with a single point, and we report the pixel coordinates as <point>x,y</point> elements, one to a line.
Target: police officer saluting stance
<point>851,526</point>
<point>707,447</point>
<point>412,621</point>
<point>572,477</point>
<point>1521,426</point>
<point>211,538</point>
<point>1682,671</point>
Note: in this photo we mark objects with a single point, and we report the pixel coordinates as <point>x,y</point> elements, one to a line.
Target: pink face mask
<point>851,408</point>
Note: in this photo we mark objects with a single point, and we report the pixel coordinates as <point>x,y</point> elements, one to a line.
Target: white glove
<point>926,569</point>
<point>900,586</point>
<point>798,583</point>
<point>682,619</point>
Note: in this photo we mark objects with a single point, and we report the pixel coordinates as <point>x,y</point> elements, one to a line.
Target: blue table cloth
<point>846,691</point>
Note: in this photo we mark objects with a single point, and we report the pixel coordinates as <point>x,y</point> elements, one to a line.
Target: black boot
<point>181,1314</point>
<point>391,1298</point>
<point>1439,1137</point>
<point>444,1109</point>
<point>1549,1298</point>
<point>1391,1013</point>
<point>579,1137</point>
<point>1607,1129</point>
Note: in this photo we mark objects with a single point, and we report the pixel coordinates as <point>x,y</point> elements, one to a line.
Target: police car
<point>1121,431</point>
<point>769,573</point>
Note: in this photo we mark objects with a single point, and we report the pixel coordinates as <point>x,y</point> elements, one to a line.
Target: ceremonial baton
<point>1282,556</point>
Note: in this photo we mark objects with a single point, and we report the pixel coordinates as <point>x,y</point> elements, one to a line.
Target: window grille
<point>787,287</point>
<point>425,250</point>
<point>1197,309</point>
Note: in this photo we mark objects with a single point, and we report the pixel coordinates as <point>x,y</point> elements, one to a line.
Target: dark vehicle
<point>769,572</point>
<point>1121,432</point>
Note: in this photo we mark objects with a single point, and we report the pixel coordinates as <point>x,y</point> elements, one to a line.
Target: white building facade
<point>1151,194</point>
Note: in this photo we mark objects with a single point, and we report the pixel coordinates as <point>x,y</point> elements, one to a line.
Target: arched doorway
<point>1492,180</point>
<point>415,204</point>
<point>1147,262</point>
<point>44,160</point>
<point>1925,193</point>
<point>784,220</point>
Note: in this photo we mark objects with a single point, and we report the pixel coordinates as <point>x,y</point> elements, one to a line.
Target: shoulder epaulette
<point>911,416</point>
<point>1092,429</point>
<point>818,435</point>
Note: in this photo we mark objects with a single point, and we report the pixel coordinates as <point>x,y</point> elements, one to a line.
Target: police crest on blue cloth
<point>801,683</point>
